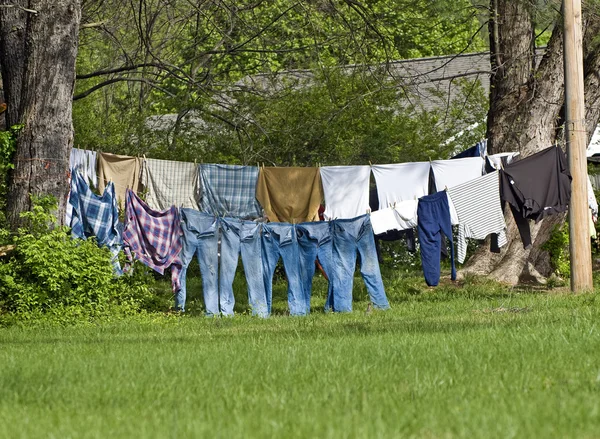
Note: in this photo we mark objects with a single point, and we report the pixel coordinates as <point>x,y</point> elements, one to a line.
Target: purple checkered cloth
<point>153,237</point>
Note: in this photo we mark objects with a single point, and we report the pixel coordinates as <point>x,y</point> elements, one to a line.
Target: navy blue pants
<point>434,217</point>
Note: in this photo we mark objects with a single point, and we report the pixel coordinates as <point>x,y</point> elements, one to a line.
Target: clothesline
<point>539,186</point>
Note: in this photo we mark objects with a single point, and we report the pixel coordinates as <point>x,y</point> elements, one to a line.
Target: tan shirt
<point>122,170</point>
<point>291,195</point>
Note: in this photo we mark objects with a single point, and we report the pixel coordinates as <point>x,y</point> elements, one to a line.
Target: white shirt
<point>346,190</point>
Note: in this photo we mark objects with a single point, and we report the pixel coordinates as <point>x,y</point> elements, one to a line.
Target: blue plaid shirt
<point>95,216</point>
<point>229,190</point>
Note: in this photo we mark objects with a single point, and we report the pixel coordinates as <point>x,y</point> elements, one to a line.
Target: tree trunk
<point>12,49</point>
<point>526,104</point>
<point>46,64</point>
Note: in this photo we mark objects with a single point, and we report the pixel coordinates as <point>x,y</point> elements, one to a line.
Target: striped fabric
<point>153,237</point>
<point>229,190</point>
<point>95,216</point>
<point>170,183</point>
<point>479,210</point>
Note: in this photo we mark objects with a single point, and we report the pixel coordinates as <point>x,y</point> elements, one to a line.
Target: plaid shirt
<point>153,237</point>
<point>95,216</point>
<point>170,184</point>
<point>229,190</point>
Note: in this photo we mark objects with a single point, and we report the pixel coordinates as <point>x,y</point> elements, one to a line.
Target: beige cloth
<point>122,170</point>
<point>291,195</point>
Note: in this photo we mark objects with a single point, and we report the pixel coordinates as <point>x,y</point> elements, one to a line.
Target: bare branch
<point>121,79</point>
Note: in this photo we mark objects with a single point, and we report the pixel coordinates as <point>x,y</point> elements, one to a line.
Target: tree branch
<point>117,70</point>
<point>120,79</point>
<point>31,11</point>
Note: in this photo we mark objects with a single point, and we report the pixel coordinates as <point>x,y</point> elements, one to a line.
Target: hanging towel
<point>229,190</point>
<point>346,190</point>
<point>401,182</point>
<point>153,237</point>
<point>499,161</point>
<point>479,211</point>
<point>401,216</point>
<point>290,195</point>
<point>92,162</point>
<point>535,187</point>
<point>450,173</point>
<point>85,162</point>
<point>97,216</point>
<point>122,170</point>
<point>170,183</point>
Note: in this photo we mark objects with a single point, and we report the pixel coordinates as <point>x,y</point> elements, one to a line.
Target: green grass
<point>475,360</point>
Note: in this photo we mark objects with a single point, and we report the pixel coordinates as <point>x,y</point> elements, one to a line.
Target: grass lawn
<point>470,361</point>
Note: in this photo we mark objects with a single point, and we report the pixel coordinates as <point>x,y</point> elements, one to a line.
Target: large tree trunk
<point>526,104</point>
<point>40,67</point>
<point>12,50</point>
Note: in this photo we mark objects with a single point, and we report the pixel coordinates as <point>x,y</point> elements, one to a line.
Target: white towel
<point>346,190</point>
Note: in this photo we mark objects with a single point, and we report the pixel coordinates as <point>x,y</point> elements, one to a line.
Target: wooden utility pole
<point>579,234</point>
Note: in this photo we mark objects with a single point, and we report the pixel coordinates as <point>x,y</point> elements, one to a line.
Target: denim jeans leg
<point>369,266</point>
<point>314,240</point>
<point>208,259</point>
<point>350,236</point>
<point>325,255</point>
<point>187,254</point>
<point>279,239</point>
<point>200,237</point>
<point>230,253</point>
<point>308,254</point>
<point>251,249</point>
<point>344,257</point>
<point>270,256</point>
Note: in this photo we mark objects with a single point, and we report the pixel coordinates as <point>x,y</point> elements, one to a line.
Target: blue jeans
<point>314,240</point>
<point>201,238</point>
<point>434,217</point>
<point>280,240</point>
<point>238,236</point>
<point>351,236</point>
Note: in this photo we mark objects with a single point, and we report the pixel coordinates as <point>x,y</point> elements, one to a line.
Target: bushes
<point>51,276</point>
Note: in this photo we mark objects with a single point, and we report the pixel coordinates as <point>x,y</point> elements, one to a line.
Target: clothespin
<point>370,164</point>
<point>446,188</point>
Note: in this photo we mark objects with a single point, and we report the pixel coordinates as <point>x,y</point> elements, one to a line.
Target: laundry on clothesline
<point>401,182</point>
<point>85,162</point>
<point>433,220</point>
<point>168,183</point>
<point>450,173</point>
<point>479,211</point>
<point>290,195</point>
<point>153,237</point>
<point>229,190</point>
<point>535,187</point>
<point>346,191</point>
<point>122,170</point>
<point>95,216</point>
<point>206,211</point>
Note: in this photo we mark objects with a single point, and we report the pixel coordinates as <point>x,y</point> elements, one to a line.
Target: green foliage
<point>51,276</point>
<point>558,247</point>
<point>198,55</point>
<point>332,117</point>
